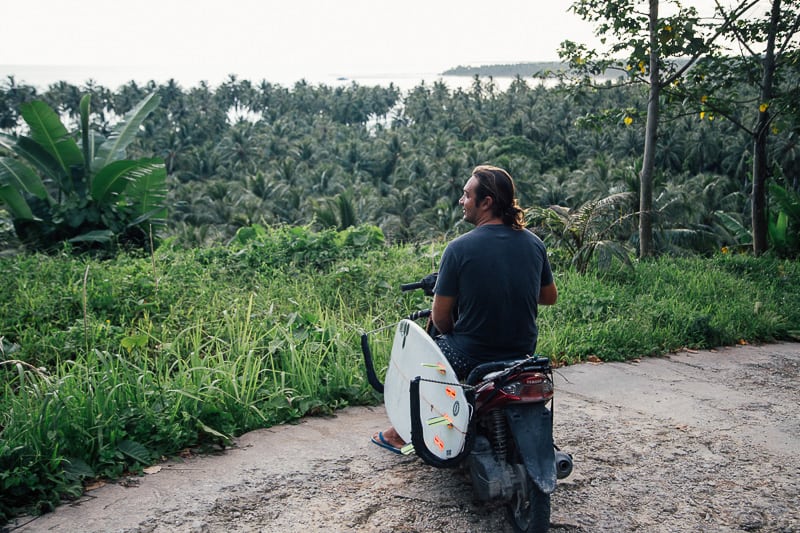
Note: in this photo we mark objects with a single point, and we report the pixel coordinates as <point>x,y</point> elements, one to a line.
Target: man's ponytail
<point>496,183</point>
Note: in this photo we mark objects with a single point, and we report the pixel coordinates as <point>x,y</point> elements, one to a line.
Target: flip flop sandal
<point>384,444</point>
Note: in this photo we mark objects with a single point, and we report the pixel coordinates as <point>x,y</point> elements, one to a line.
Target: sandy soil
<point>698,441</point>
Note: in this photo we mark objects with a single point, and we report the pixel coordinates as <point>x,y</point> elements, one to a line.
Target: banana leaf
<point>48,131</point>
<point>86,137</point>
<point>112,179</point>
<point>148,190</point>
<point>787,199</point>
<point>100,235</point>
<point>21,177</point>
<point>141,183</point>
<point>113,149</point>
<point>34,154</point>
<point>15,202</point>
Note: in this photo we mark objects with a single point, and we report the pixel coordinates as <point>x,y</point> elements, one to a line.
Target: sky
<point>339,35</point>
<point>280,40</point>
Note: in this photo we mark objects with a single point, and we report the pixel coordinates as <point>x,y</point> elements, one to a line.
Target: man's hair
<point>497,184</point>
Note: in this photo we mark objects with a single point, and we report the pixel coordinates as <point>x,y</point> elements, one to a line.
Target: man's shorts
<point>462,364</point>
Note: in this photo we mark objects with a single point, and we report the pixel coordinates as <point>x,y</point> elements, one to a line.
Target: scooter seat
<point>492,369</point>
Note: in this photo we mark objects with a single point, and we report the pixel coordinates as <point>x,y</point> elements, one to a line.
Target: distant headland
<point>523,70</point>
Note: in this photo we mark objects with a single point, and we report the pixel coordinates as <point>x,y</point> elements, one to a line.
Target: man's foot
<point>389,440</point>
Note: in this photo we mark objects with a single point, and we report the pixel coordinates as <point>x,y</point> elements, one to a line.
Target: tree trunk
<point>760,167</point>
<point>759,199</point>
<point>650,138</point>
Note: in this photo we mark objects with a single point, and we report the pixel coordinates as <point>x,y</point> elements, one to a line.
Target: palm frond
<point>688,239</point>
<point>607,251</point>
<point>616,199</point>
<point>733,227</point>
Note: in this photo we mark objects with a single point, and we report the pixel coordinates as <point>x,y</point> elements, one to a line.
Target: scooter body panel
<point>532,428</point>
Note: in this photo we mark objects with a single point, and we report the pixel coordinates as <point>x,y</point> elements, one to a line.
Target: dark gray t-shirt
<point>495,272</point>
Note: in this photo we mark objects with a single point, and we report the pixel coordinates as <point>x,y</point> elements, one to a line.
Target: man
<point>490,284</point>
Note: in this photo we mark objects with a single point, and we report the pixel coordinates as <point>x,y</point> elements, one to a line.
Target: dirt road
<point>698,441</point>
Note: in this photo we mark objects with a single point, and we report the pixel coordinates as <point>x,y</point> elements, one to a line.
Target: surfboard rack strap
<point>372,377</point>
<point>418,437</point>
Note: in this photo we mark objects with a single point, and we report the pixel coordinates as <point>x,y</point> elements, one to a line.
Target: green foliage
<point>664,305</point>
<point>107,366</point>
<point>588,234</point>
<point>58,190</point>
<point>260,248</point>
<point>784,223</point>
<point>323,157</point>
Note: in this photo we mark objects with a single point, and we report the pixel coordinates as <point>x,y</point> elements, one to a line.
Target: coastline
<point>113,77</point>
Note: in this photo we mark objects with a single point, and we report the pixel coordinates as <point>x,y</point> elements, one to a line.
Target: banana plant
<point>783,224</point>
<point>58,188</point>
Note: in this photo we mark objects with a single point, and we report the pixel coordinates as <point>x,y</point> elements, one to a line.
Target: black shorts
<point>462,364</point>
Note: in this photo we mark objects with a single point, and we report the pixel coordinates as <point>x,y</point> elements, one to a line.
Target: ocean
<point>113,77</point>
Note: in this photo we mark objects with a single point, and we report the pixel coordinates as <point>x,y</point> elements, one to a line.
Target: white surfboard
<point>444,408</point>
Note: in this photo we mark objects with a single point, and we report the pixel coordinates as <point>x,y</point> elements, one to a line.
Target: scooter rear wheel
<point>529,510</point>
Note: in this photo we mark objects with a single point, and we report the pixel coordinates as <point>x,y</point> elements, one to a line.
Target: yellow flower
<point>641,67</point>
<point>724,250</point>
<point>702,115</point>
<point>628,121</point>
<point>668,27</point>
<point>703,99</point>
<point>763,107</point>
<point>775,130</point>
<point>579,60</point>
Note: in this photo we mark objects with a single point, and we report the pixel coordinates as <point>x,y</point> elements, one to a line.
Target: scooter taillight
<point>530,387</point>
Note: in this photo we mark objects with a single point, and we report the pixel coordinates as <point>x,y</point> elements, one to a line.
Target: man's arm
<point>442,312</point>
<point>548,294</point>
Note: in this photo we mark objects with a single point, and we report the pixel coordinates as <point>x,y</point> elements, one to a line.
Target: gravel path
<point>697,441</point>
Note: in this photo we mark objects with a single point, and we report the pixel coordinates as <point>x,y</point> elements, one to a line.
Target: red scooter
<point>509,448</point>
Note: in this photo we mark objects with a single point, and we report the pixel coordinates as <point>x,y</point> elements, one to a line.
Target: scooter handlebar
<point>427,284</point>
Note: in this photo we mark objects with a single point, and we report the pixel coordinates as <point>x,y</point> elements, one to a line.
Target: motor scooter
<point>509,448</point>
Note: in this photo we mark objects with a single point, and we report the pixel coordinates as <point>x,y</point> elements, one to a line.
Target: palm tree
<point>239,150</point>
<point>12,96</point>
<point>338,212</point>
<point>400,209</point>
<point>590,232</point>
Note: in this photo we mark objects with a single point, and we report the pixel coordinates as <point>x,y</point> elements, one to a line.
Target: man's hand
<point>429,283</point>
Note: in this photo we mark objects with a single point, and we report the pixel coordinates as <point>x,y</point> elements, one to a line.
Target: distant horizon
<point>41,76</point>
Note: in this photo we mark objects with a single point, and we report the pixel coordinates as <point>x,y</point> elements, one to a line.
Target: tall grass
<point>660,306</point>
<point>105,369</point>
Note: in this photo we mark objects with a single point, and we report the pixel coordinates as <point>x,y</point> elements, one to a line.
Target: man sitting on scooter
<point>491,279</point>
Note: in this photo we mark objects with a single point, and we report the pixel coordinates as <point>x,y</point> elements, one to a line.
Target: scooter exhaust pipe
<point>563,464</point>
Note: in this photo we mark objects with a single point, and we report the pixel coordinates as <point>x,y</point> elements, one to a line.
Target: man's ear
<point>487,202</point>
